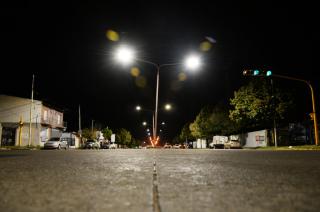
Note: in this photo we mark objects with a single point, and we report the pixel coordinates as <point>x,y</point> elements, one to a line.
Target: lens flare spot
<point>112,35</point>
<point>205,46</point>
<point>135,72</point>
<point>141,81</point>
<point>182,76</point>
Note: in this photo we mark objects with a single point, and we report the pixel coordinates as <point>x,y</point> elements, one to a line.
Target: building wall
<point>0,133</point>
<point>51,117</point>
<point>40,134</point>
<point>35,135</point>
<point>13,109</point>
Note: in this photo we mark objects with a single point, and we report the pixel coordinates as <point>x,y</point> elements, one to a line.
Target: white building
<point>254,139</point>
<point>45,122</point>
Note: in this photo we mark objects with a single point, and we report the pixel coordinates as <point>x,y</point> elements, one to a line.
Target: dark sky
<point>65,46</point>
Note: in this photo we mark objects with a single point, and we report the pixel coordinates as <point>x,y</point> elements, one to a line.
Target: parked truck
<point>218,141</point>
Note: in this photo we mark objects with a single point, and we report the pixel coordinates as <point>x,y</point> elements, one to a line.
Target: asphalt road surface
<point>159,180</point>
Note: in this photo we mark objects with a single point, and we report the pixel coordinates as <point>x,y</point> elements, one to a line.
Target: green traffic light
<point>269,73</point>
<point>256,72</point>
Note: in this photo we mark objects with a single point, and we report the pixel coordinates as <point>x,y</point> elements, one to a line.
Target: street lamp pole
<point>153,122</point>
<point>92,126</point>
<point>126,55</point>
<point>156,109</point>
<point>158,67</point>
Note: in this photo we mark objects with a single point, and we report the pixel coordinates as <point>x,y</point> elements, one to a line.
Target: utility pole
<point>92,126</point>
<point>80,131</point>
<point>30,121</point>
<point>274,117</point>
<point>20,130</point>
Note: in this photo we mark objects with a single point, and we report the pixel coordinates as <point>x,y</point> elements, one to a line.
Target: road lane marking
<point>156,203</point>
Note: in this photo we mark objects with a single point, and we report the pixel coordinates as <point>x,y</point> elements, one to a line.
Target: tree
<point>135,143</point>
<point>124,137</point>
<point>86,133</point>
<point>212,121</point>
<point>175,140</point>
<point>220,122</point>
<point>201,127</point>
<point>107,132</point>
<point>255,106</point>
<point>185,133</point>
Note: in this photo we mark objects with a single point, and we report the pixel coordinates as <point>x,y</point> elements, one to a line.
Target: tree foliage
<point>220,121</point>
<point>124,137</point>
<point>200,128</point>
<point>107,132</point>
<point>185,133</point>
<point>87,133</point>
<point>255,105</point>
<point>212,121</point>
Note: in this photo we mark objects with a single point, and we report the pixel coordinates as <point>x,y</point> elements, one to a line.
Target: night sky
<point>65,46</point>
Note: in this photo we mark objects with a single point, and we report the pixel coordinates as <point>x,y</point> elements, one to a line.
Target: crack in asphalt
<point>156,203</point>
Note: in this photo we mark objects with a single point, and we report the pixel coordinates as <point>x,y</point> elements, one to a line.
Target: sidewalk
<point>18,148</point>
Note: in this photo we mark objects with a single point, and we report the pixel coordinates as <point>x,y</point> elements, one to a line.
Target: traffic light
<point>268,73</point>
<point>257,72</point>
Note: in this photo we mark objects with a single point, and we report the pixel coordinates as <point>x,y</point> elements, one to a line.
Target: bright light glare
<point>193,62</point>
<point>144,123</point>
<point>124,55</point>
<point>138,108</point>
<point>163,123</point>
<point>167,107</point>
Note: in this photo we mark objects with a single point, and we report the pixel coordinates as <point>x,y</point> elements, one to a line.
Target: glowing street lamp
<point>138,108</point>
<point>193,62</point>
<point>124,55</point>
<point>144,123</point>
<point>167,107</point>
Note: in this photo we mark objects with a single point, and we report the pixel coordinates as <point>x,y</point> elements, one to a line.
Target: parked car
<point>232,145</point>
<point>91,144</point>
<point>56,143</point>
<point>167,146</point>
<point>183,146</point>
<point>112,146</point>
<point>104,145</point>
<point>176,146</point>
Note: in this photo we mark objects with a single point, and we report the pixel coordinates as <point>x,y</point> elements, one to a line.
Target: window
<point>260,139</point>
